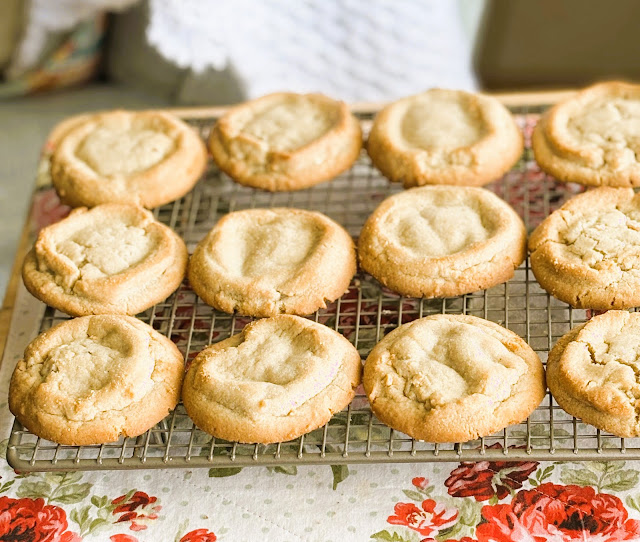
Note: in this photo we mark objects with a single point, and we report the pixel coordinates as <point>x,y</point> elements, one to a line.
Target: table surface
<point>499,500</point>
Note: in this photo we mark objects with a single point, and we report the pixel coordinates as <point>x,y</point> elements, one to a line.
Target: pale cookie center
<point>611,235</point>
<point>429,230</point>
<point>121,151</point>
<point>91,376</point>
<point>612,129</point>
<point>107,250</point>
<point>273,251</point>
<point>275,359</point>
<point>444,362</point>
<point>612,360</point>
<point>440,124</point>
<point>273,373</point>
<point>289,126</point>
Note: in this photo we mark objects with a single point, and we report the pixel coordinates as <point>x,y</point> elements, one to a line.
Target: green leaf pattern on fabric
<point>388,536</point>
<point>602,475</point>
<point>340,473</point>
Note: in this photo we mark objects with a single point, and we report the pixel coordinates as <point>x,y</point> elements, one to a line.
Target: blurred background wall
<point>556,43</point>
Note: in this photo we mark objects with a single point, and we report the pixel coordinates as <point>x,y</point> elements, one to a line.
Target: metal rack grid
<point>364,315</point>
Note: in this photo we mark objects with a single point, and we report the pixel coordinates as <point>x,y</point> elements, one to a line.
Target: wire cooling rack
<point>364,315</point>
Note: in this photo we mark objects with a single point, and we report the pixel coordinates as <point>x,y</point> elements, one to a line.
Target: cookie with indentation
<point>93,379</point>
<point>263,262</point>
<point>149,158</point>
<point>286,141</point>
<point>280,378</point>
<point>442,241</point>
<point>587,253</point>
<point>111,259</point>
<point>452,378</point>
<point>592,372</point>
<point>593,138</point>
<point>445,137</point>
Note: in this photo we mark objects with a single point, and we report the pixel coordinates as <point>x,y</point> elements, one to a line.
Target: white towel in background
<point>352,49</point>
<point>357,50</point>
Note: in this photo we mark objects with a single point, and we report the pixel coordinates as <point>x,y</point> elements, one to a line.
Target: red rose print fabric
<point>557,512</point>
<point>485,479</point>
<point>420,483</point>
<point>199,535</point>
<point>429,518</point>
<point>137,508</point>
<point>31,520</point>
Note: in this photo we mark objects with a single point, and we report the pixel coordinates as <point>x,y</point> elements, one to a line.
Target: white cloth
<point>351,49</point>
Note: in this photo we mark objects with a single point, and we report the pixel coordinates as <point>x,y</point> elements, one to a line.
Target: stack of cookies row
<point>443,378</point>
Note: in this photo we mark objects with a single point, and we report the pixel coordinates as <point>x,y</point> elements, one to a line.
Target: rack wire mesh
<point>364,315</point>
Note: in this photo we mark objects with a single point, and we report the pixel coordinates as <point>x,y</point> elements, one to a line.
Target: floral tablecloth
<point>498,501</point>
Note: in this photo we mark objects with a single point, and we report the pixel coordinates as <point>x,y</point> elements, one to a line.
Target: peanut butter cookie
<point>95,378</point>
<point>280,378</point>
<point>587,253</point>
<point>445,137</point>
<point>592,372</point>
<point>442,241</point>
<point>114,259</point>
<point>452,378</point>
<point>286,141</point>
<point>149,158</point>
<point>263,262</point>
<point>593,138</point>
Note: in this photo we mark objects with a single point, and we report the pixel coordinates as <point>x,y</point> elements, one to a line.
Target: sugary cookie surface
<point>264,262</point>
<point>593,138</point>
<point>592,372</point>
<point>444,137</point>
<point>286,141</point>
<point>439,241</point>
<point>448,378</point>
<point>124,146</point>
<point>290,123</point>
<point>91,379</point>
<point>147,157</point>
<point>276,380</point>
<point>113,258</point>
<point>587,253</point>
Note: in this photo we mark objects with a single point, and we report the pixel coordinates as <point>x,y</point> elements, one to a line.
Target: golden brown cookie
<point>592,372</point>
<point>587,253</point>
<point>286,141</point>
<point>593,138</point>
<point>452,378</point>
<point>442,241</point>
<point>149,158</point>
<point>445,137</point>
<point>263,262</point>
<point>114,259</point>
<point>92,379</point>
<point>280,378</point>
